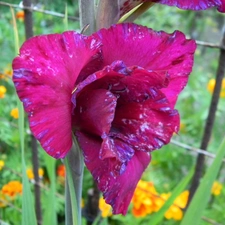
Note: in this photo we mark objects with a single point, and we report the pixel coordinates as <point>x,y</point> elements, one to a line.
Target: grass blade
<point>202,195</point>
<point>65,20</point>
<point>50,215</point>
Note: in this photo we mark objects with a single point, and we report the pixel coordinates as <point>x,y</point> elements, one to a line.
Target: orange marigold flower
<point>105,208</point>
<point>12,189</point>
<point>144,199</point>
<point>211,86</point>
<point>61,171</point>
<point>216,188</point>
<point>30,173</point>
<point>20,15</point>
<point>15,113</point>
<point>2,91</point>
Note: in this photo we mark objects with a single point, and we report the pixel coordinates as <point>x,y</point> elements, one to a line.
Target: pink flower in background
<point>127,5</point>
<point>115,91</point>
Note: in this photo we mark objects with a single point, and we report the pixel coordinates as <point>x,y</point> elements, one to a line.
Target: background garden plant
<point>166,169</point>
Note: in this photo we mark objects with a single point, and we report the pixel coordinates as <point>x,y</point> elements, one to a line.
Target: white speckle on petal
<point>144,127</point>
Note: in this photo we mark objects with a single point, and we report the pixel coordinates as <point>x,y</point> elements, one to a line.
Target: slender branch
<point>35,9</point>
<point>210,221</point>
<point>10,205</point>
<point>197,150</point>
<point>209,122</point>
<point>210,45</point>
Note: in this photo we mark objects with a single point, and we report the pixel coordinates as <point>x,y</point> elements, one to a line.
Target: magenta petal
<point>195,4</point>
<point>143,118</point>
<point>117,190</point>
<point>127,83</point>
<point>95,111</point>
<point>146,126</point>
<point>127,5</point>
<point>45,73</point>
<point>154,51</point>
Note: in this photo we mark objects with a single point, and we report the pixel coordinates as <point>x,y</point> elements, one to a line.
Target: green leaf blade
<point>200,200</point>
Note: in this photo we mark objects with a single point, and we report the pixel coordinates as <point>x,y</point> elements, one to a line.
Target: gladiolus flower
<point>127,5</point>
<point>115,90</point>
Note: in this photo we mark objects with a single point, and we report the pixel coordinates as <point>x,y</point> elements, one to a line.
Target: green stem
<point>74,177</point>
<point>87,15</point>
<point>107,13</point>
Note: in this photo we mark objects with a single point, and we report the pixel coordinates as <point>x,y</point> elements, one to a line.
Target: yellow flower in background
<point>211,86</point>
<point>2,163</point>
<point>2,91</point>
<point>30,173</point>
<point>216,188</point>
<point>182,127</point>
<point>12,189</point>
<point>7,73</point>
<point>176,210</point>
<point>161,200</point>
<point>105,208</point>
<point>144,199</point>
<point>14,113</point>
<point>222,93</point>
<point>82,203</point>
